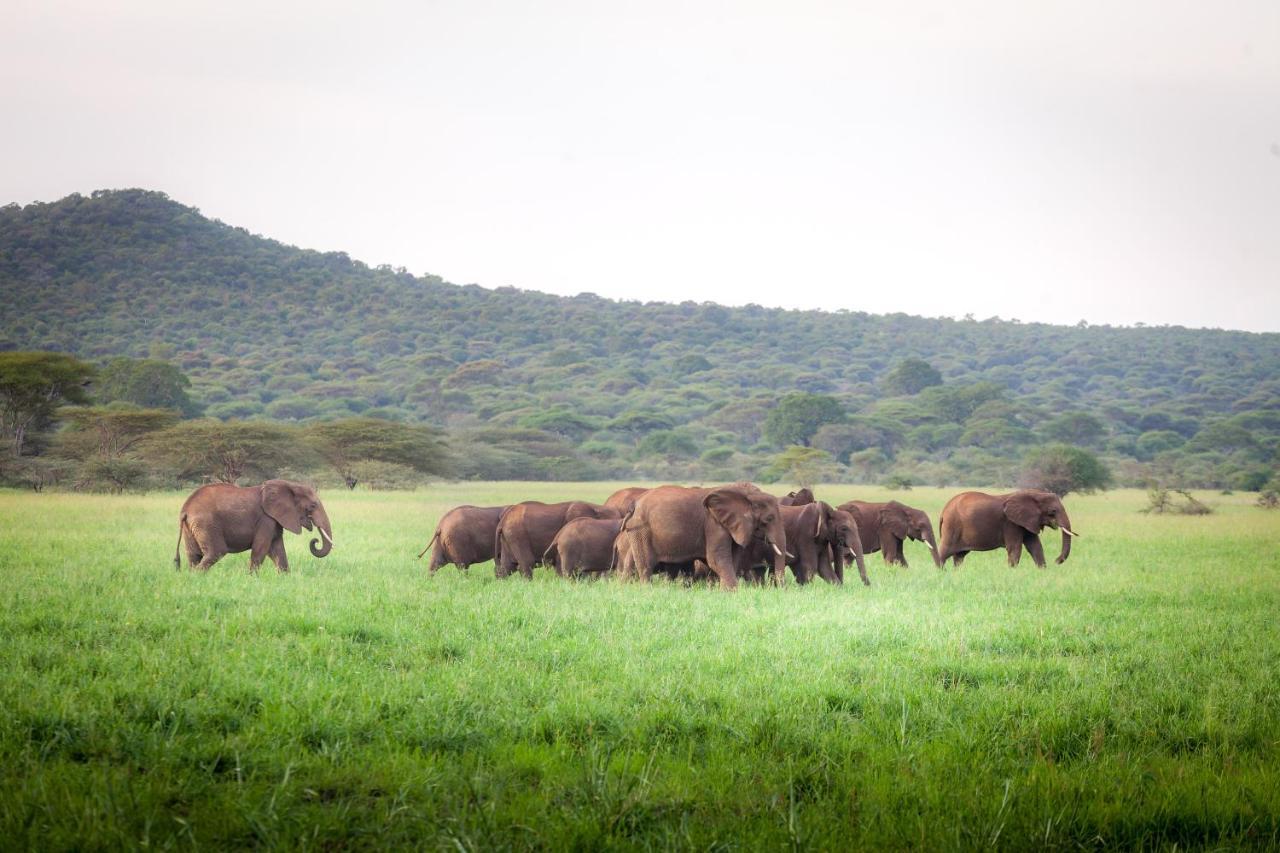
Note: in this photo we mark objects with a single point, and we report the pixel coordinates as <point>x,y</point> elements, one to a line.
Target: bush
<point>1162,501</point>
<point>1062,469</point>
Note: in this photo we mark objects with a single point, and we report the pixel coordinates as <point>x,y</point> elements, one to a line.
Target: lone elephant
<point>722,527</point>
<point>976,521</point>
<point>885,526</point>
<point>525,531</point>
<point>583,545</point>
<point>222,518</point>
<point>464,536</point>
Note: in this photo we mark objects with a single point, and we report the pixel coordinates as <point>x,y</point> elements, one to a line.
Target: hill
<point>531,384</point>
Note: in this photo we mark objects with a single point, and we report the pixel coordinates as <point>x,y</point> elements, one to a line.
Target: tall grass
<point>1129,698</point>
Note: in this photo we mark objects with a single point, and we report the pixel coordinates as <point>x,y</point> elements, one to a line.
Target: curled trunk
<point>322,546</point>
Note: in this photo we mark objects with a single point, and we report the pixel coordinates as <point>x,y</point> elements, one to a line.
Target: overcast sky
<point>1117,162</point>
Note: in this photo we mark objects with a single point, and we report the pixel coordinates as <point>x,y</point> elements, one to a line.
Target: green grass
<point>1129,698</point>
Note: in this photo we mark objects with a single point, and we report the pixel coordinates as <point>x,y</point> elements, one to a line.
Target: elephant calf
<point>464,536</point>
<point>526,529</point>
<point>222,519</point>
<point>976,521</point>
<point>584,544</point>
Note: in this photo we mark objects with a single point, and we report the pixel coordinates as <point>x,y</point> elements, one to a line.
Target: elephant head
<point>906,522</point>
<point>296,506</point>
<point>1034,510</point>
<point>845,542</point>
<point>800,497</point>
<point>751,517</point>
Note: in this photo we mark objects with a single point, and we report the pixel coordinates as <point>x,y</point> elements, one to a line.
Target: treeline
<point>116,438</point>
<point>531,386</point>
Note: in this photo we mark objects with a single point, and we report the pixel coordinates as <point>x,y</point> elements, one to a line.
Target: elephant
<point>975,521</point>
<point>222,518</point>
<point>845,541</point>
<point>464,536</point>
<point>583,544</point>
<point>625,499</point>
<point>884,526</point>
<point>720,526</point>
<point>525,531</point>
<point>800,497</point>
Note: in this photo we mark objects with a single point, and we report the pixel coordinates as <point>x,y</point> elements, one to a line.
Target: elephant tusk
<point>325,535</point>
<point>1069,531</point>
<point>776,550</point>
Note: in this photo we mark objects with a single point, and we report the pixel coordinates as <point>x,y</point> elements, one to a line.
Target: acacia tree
<point>346,443</point>
<point>32,387</point>
<point>225,450</point>
<point>101,441</point>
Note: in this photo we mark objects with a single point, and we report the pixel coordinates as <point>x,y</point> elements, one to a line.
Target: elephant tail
<point>551,556</point>
<point>434,537</point>
<point>177,560</point>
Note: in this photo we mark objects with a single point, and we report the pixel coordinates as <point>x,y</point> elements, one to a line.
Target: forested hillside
<point>532,385</point>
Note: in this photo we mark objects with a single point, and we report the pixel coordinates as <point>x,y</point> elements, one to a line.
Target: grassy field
<point>1130,698</point>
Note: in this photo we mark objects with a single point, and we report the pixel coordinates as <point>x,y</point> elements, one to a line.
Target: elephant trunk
<point>321,548</point>
<point>933,546</point>
<point>1065,525</point>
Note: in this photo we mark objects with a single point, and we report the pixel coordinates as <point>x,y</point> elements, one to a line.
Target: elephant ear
<point>732,511</point>
<point>893,517</point>
<point>1023,510</point>
<point>279,502</point>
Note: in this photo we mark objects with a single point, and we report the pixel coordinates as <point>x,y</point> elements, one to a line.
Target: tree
<point>110,431</point>
<point>145,382</point>
<point>798,416</point>
<point>1062,469</point>
<point>32,387</point>
<point>225,450</point>
<point>911,376</point>
<point>1079,428</point>
<point>346,443</point>
<point>800,465</point>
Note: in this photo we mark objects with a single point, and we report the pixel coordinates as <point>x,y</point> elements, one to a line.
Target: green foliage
<point>346,444</point>
<point>798,416</point>
<point>264,330</point>
<point>225,451</point>
<point>1063,469</point>
<point>144,382</point>
<point>911,376</point>
<point>669,443</point>
<point>32,387</point>
<point>800,465</point>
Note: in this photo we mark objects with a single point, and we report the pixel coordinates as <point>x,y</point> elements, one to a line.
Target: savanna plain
<point>1129,698</point>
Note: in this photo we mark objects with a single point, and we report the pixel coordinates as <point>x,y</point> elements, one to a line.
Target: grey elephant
<point>222,518</point>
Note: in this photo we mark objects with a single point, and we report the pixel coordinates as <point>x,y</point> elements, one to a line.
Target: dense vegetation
<point>1125,700</point>
<point>534,386</point>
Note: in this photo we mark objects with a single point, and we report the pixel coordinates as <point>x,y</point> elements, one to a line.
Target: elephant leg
<point>958,557</point>
<point>278,556</point>
<point>1035,549</point>
<point>263,538</point>
<point>1013,543</point>
<point>464,567</point>
<point>206,562</point>
<point>721,562</point>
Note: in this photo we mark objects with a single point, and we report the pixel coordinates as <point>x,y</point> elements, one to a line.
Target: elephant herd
<point>727,533</point>
<point>736,532</point>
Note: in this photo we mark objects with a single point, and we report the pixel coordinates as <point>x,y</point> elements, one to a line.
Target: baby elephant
<point>222,519</point>
<point>583,545</point>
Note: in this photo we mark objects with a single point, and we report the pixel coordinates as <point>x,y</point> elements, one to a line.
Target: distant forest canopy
<point>526,385</point>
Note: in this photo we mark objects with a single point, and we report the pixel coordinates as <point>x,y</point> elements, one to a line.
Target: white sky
<point>1117,162</point>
